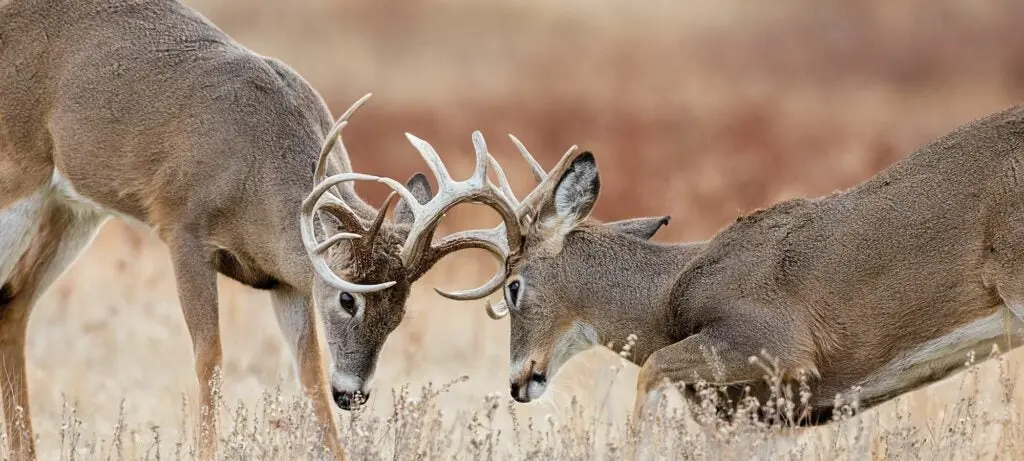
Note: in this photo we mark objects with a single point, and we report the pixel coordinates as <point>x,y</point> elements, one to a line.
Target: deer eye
<point>513,292</point>
<point>348,302</point>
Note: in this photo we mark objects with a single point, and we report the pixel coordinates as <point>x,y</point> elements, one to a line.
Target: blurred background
<point>703,110</point>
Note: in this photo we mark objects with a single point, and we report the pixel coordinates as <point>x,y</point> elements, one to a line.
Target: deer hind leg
<point>197,291</point>
<point>59,235</point>
<point>296,318</point>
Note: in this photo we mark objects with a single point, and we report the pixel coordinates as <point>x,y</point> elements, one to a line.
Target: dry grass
<point>700,109</point>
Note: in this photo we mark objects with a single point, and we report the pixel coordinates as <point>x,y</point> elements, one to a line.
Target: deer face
<point>564,276</point>
<point>364,270</point>
<point>357,324</point>
<point>547,325</point>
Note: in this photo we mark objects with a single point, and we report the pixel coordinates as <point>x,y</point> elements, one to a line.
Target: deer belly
<point>66,193</point>
<point>944,355</point>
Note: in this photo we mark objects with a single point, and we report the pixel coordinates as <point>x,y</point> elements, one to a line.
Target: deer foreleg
<point>296,317</point>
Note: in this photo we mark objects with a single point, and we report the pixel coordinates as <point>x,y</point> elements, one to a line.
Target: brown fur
<point>840,287</point>
<point>148,111</point>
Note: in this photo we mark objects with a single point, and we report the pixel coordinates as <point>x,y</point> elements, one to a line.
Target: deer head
<point>364,265</point>
<point>567,267</point>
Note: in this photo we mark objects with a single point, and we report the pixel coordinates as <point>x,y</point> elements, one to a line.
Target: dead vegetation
<point>702,110</point>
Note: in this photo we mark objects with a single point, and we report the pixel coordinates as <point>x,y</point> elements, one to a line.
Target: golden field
<point>702,110</point>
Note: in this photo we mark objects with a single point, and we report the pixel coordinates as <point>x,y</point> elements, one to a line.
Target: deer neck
<point>638,312</point>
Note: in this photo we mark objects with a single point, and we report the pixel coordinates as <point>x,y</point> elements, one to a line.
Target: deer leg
<point>296,317</point>
<point>699,357</point>
<point>197,290</point>
<point>17,226</point>
<point>58,238</point>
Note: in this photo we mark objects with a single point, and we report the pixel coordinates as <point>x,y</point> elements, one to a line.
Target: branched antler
<point>418,253</point>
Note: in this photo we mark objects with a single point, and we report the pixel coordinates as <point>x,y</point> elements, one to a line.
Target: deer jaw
<point>357,330</point>
<point>578,304</point>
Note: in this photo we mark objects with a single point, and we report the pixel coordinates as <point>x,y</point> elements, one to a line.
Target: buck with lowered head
<point>884,287</point>
<point>148,112</point>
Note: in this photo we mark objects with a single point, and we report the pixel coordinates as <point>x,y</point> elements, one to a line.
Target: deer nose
<point>517,396</point>
<point>348,400</point>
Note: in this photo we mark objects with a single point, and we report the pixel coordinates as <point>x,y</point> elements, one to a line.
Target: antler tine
<point>497,311</point>
<point>538,172</point>
<point>426,216</point>
<point>333,136</point>
<point>493,240</point>
<point>506,189</point>
<point>371,234</point>
<point>317,250</point>
<point>497,232</point>
<point>433,160</point>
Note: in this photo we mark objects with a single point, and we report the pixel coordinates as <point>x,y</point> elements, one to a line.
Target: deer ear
<point>643,228</point>
<point>420,188</point>
<point>577,190</point>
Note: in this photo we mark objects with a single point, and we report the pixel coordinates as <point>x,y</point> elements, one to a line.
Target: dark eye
<point>348,302</point>
<point>513,292</point>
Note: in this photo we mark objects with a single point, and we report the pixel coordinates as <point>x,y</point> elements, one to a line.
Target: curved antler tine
<point>317,250</point>
<point>371,235</point>
<point>325,151</point>
<point>480,149</point>
<point>355,106</point>
<point>538,172</point>
<point>333,135</point>
<point>430,156</point>
<point>332,240</point>
<point>497,311</point>
<point>492,240</point>
<point>323,186</point>
<point>506,189</point>
<point>483,291</point>
<point>406,194</point>
<point>349,220</point>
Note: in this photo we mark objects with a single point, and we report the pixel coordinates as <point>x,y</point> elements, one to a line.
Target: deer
<point>863,294</point>
<point>149,113</point>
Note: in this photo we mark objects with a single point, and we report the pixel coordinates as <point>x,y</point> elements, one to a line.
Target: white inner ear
<point>575,194</point>
<point>569,192</point>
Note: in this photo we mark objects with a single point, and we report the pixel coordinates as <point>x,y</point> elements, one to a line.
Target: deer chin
<point>535,389</point>
<point>577,338</point>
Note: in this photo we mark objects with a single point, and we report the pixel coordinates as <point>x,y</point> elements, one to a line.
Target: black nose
<point>515,394</point>
<point>347,400</point>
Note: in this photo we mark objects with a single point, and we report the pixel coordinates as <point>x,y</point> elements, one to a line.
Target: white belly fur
<point>939,354</point>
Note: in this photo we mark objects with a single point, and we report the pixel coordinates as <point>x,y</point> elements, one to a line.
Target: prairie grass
<point>699,109</point>
<point>982,422</point>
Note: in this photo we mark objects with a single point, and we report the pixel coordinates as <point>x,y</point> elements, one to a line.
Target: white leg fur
<point>290,308</point>
<point>77,237</point>
<point>17,225</point>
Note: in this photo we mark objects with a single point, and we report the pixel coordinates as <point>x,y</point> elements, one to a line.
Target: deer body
<point>886,286</point>
<point>147,121</point>
<point>147,111</point>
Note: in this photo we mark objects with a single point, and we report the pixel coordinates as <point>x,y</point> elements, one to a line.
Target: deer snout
<point>349,391</point>
<point>349,400</point>
<point>531,388</point>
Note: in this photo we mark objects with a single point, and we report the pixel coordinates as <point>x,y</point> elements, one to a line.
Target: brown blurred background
<point>700,109</point>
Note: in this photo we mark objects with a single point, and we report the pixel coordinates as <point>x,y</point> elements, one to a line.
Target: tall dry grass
<point>699,109</point>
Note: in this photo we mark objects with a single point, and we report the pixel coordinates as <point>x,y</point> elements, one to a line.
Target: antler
<point>495,235</point>
<point>418,254</point>
<point>312,204</point>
